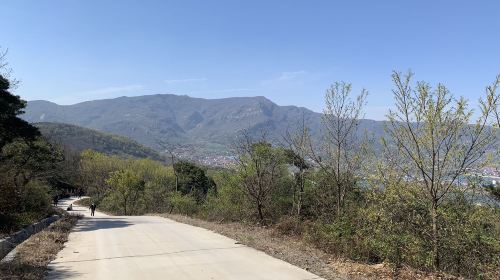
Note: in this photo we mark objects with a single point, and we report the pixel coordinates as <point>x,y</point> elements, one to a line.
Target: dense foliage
<point>11,126</point>
<point>32,171</point>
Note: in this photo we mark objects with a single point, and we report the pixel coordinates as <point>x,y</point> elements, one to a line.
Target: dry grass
<point>85,202</point>
<point>296,251</point>
<point>38,251</point>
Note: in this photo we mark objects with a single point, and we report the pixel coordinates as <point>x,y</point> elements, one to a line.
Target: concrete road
<point>146,247</point>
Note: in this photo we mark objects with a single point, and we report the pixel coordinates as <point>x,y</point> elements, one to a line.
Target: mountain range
<point>208,126</point>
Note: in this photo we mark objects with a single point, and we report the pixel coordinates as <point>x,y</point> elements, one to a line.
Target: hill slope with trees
<point>79,138</point>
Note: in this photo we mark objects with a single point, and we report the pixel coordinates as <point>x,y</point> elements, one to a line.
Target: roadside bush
<point>110,204</point>
<point>281,199</point>
<point>183,204</point>
<point>36,197</point>
<point>34,203</point>
<point>394,226</point>
<point>470,239</point>
<point>156,198</point>
<point>229,202</point>
<point>342,237</point>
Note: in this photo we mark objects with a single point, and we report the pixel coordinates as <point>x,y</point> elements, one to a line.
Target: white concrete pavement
<point>148,247</point>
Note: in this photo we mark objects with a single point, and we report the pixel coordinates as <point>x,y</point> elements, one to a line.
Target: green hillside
<point>79,138</point>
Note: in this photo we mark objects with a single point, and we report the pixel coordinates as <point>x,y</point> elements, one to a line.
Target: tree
<point>340,154</point>
<point>28,163</point>
<point>260,166</point>
<point>492,97</point>
<point>435,143</point>
<point>24,162</point>
<point>34,160</point>
<point>128,187</point>
<point>192,179</point>
<point>95,169</point>
<point>11,126</point>
<point>299,143</point>
<point>171,149</point>
<point>159,183</point>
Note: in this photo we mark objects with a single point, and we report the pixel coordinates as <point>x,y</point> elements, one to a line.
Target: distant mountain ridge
<point>207,124</point>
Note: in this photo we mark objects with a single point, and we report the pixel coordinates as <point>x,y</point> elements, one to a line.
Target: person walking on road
<point>92,209</point>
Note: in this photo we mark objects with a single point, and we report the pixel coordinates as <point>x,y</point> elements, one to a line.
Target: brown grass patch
<point>38,251</point>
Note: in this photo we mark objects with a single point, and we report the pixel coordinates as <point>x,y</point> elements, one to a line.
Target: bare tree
<point>259,167</point>
<point>171,149</point>
<point>492,97</point>
<point>298,142</point>
<point>5,70</point>
<point>431,135</point>
<point>340,155</point>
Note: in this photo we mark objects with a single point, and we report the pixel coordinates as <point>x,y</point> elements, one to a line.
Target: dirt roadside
<point>34,254</point>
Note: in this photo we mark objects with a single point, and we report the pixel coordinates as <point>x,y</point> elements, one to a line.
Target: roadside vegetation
<point>32,170</point>
<point>412,203</point>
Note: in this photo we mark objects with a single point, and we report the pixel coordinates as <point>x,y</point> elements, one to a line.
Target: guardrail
<point>9,243</point>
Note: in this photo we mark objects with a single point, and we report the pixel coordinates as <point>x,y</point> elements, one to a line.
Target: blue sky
<point>70,51</point>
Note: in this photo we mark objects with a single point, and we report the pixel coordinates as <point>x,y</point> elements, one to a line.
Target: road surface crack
<point>150,255</point>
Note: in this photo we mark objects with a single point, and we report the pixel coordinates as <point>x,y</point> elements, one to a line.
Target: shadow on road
<point>62,273</point>
<point>91,224</point>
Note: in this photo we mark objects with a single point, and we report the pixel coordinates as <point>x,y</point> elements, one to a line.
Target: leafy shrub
<point>229,202</point>
<point>110,204</point>
<point>281,199</point>
<point>393,226</point>
<point>156,197</point>
<point>183,204</point>
<point>36,197</point>
<point>470,239</point>
<point>34,204</point>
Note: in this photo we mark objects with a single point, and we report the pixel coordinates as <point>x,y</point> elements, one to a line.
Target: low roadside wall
<point>9,243</point>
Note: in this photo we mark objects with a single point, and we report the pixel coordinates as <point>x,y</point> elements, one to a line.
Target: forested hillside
<point>79,138</point>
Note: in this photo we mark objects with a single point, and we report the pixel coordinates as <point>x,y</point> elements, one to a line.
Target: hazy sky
<point>289,51</point>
